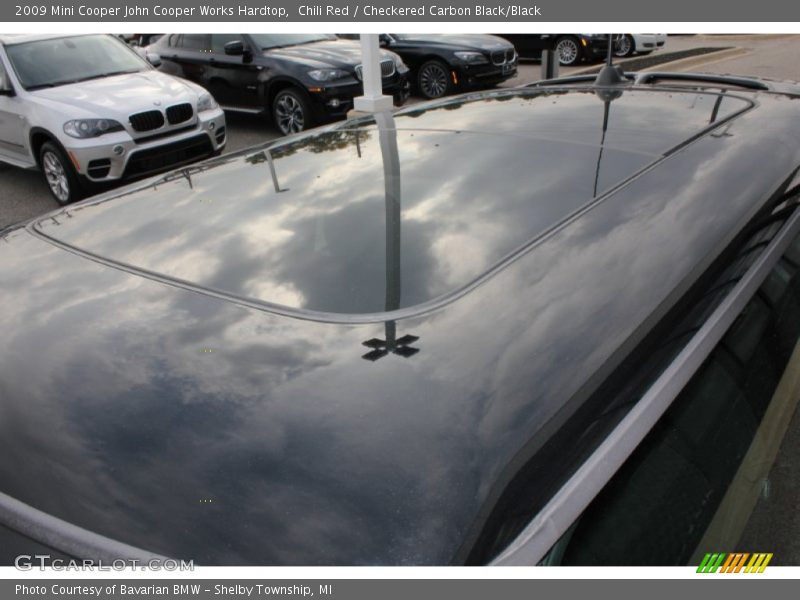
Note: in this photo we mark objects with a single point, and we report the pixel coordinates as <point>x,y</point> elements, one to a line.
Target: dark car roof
<point>479,179</point>
<point>231,433</point>
<point>458,40</point>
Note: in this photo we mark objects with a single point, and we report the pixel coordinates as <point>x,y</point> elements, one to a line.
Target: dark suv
<point>299,79</point>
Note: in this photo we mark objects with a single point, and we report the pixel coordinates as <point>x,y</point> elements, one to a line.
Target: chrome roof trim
<point>65,537</point>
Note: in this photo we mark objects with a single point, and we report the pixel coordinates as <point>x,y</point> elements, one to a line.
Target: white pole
<point>373,99</point>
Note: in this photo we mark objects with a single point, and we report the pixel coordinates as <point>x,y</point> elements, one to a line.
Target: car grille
<point>147,121</point>
<point>144,162</point>
<point>502,57</point>
<point>144,139</point>
<point>387,69</point>
<point>179,113</point>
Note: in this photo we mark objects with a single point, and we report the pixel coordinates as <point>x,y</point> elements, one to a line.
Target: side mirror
<point>154,59</point>
<point>234,48</point>
<point>6,89</point>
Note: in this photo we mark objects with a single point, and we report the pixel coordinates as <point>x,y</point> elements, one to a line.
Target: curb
<point>680,63</point>
<point>696,61</point>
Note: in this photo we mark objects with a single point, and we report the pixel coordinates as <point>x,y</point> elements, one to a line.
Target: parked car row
<point>573,48</point>
<point>90,111</point>
<point>300,80</point>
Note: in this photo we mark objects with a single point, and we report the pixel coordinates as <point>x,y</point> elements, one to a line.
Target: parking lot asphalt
<point>23,195</point>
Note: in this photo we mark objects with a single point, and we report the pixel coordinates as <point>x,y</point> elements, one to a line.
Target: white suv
<point>87,110</point>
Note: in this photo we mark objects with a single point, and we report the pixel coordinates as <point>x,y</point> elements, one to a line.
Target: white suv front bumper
<point>116,156</point>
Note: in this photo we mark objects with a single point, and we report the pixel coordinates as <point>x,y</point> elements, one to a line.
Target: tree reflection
<point>328,141</point>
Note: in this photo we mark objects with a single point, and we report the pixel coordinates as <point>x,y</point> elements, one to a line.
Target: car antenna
<point>610,74</point>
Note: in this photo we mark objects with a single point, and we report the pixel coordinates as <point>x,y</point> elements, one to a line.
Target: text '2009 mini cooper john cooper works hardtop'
<point>545,324</point>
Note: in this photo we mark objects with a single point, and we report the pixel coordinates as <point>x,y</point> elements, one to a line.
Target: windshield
<point>58,61</point>
<point>266,41</point>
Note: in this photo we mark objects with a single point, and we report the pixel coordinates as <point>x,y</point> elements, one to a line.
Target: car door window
<point>218,41</point>
<point>12,132</point>
<point>196,42</point>
<point>4,82</point>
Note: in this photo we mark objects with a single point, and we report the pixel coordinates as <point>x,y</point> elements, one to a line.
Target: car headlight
<point>206,102</point>
<point>89,128</point>
<point>399,65</point>
<point>472,58</point>
<point>327,74</point>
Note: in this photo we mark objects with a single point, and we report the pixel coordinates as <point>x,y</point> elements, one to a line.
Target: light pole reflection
<point>387,134</point>
<point>266,156</point>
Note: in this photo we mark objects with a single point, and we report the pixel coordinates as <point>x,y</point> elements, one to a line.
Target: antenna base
<point>610,75</point>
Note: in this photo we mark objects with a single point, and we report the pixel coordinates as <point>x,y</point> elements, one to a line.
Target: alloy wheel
<point>567,51</point>
<point>622,46</point>
<point>56,176</point>
<point>289,114</point>
<point>433,80</point>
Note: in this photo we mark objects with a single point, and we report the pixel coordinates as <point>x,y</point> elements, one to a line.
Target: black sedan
<point>572,48</point>
<point>549,324</point>
<point>445,64</point>
<point>299,79</point>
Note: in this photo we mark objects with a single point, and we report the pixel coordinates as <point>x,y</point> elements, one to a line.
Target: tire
<point>60,175</point>
<point>625,46</point>
<point>433,80</point>
<point>291,111</point>
<point>569,50</point>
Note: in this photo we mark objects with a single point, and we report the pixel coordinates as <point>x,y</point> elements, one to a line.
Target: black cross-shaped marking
<point>401,346</point>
